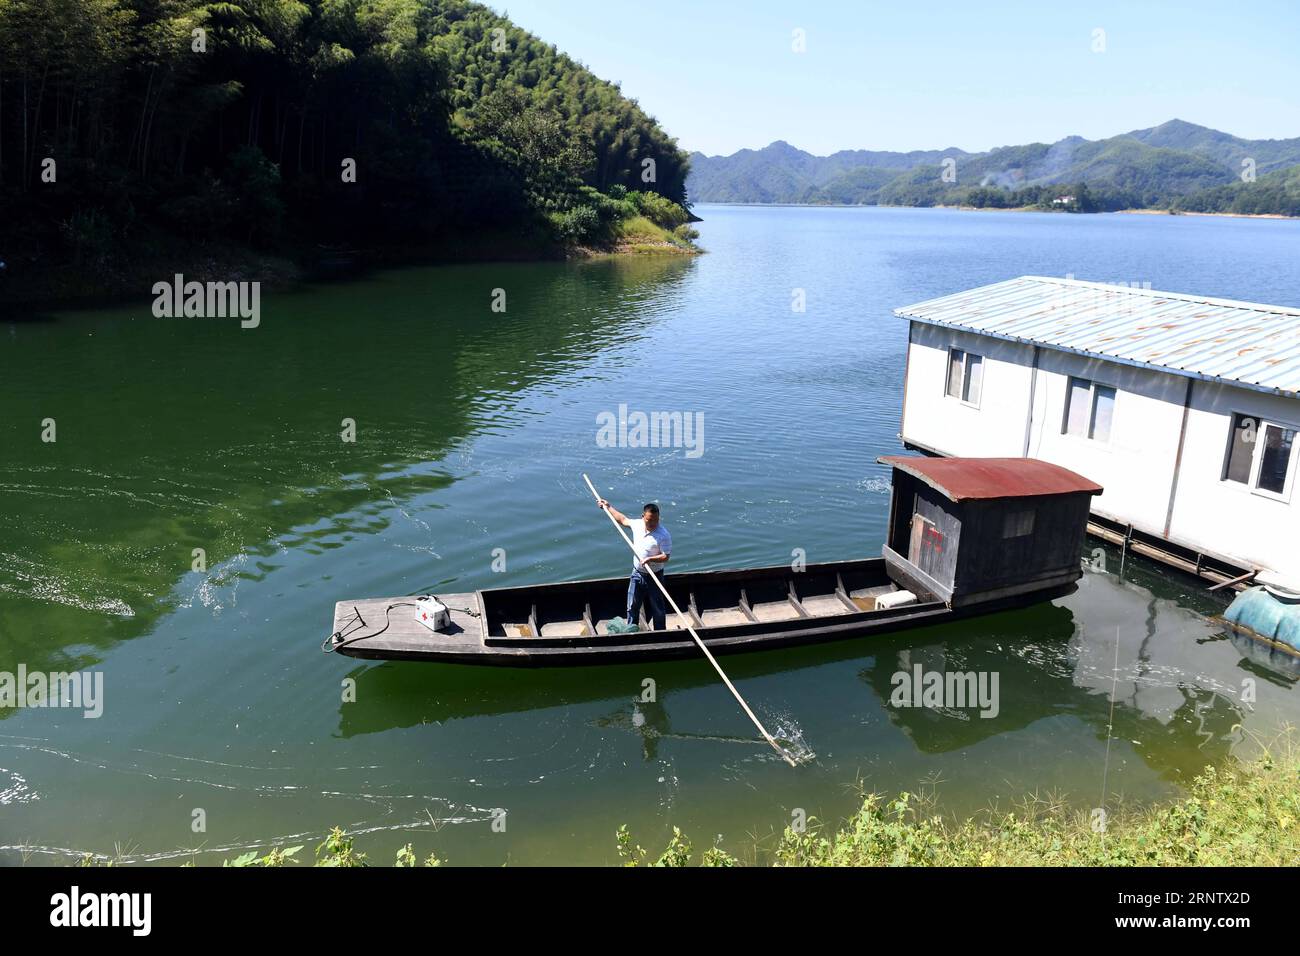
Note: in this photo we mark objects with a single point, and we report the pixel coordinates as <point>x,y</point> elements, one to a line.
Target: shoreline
<point>1220,215</point>
<point>29,297</point>
<point>1113,212</point>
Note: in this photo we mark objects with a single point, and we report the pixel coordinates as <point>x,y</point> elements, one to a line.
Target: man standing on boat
<point>653,546</point>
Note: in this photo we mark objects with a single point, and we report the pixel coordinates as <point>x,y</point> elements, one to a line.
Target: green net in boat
<point>617,625</point>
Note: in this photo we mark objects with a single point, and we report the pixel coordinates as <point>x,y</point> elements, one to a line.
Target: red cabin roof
<point>961,479</point>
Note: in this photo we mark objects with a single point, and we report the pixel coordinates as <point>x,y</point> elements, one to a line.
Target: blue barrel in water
<point>1268,612</point>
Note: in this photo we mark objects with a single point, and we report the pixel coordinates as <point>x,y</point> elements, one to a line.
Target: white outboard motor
<point>432,613</point>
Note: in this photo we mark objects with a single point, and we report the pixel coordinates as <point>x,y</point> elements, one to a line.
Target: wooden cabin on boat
<point>967,537</point>
<point>1185,407</point>
<point>967,531</point>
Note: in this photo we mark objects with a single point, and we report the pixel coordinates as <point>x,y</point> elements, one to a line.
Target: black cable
<point>358,620</point>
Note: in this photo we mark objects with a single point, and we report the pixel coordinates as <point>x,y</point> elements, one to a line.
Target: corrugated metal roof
<point>1242,343</point>
<point>958,479</point>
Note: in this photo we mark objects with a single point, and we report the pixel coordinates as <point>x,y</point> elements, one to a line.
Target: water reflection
<point>1263,661</point>
<point>1125,645</point>
<point>1175,694</point>
<point>182,435</point>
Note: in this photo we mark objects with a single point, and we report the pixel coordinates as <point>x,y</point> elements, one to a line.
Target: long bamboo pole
<point>699,643</point>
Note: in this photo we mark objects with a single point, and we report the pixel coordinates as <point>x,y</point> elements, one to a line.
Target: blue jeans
<point>641,590</point>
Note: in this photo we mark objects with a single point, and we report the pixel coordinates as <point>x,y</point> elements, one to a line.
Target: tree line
<point>270,121</point>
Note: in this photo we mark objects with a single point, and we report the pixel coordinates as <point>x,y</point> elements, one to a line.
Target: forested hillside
<point>129,128</point>
<point>1267,154</point>
<point>1176,165</point>
<point>1276,193</point>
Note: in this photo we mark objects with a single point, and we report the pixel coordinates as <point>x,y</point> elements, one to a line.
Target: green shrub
<point>580,224</point>
<point>278,856</point>
<point>661,211</point>
<point>337,850</point>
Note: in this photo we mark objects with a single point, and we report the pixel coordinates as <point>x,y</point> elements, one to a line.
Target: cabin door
<point>925,548</point>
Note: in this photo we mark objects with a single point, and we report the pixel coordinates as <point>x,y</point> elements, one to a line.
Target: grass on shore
<point>1233,815</point>
<point>638,234</point>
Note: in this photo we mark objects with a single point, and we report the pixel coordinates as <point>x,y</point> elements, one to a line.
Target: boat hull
<point>480,634</point>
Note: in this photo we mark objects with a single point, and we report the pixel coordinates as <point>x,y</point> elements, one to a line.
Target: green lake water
<point>472,430</point>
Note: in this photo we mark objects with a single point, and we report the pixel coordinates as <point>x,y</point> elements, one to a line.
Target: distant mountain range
<point>1176,165</point>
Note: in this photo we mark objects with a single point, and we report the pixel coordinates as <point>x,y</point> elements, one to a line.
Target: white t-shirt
<point>649,543</point>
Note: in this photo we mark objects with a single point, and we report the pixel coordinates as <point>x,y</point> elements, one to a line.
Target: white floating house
<point>1184,408</point>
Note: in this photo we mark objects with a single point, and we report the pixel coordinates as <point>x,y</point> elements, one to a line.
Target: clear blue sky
<point>720,75</point>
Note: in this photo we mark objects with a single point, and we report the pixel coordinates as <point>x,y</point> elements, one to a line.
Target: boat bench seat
<point>719,617</point>
<point>775,611</point>
<point>817,605</point>
<point>565,629</point>
<point>823,605</point>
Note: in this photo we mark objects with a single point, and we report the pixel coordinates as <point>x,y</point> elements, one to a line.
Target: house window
<point>1259,455</point>
<point>1241,449</point>
<point>1089,409</point>
<point>1017,524</point>
<point>1275,458</point>
<point>965,375</point>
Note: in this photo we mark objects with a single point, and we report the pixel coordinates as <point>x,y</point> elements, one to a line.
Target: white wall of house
<point>995,428</point>
<point>1136,462</point>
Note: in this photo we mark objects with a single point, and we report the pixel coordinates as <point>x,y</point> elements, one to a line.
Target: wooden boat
<point>967,536</point>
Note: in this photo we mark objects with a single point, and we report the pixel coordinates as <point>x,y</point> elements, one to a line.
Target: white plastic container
<point>894,599</point>
<point>432,613</point>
